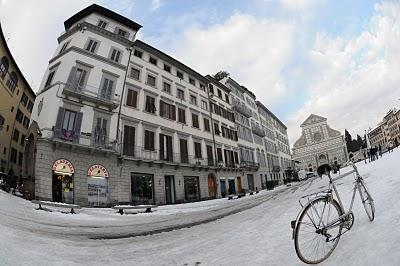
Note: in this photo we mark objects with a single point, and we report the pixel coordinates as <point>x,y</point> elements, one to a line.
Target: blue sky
<point>298,56</point>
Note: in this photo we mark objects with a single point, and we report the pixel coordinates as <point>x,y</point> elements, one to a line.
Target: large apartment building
<point>123,122</point>
<point>16,104</point>
<point>387,133</point>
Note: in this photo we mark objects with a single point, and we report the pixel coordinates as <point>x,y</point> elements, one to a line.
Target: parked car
<point>302,175</point>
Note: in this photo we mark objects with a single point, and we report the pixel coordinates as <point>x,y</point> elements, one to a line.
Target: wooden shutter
<point>161,147</point>
<point>77,126</point>
<point>169,148</point>
<point>173,110</point>
<point>60,117</point>
<point>162,108</point>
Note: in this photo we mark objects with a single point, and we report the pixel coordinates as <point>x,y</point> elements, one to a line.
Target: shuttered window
<point>131,99</point>
<point>149,140</point>
<point>167,110</point>
<point>195,121</point>
<point>197,150</point>
<point>129,141</point>
<point>181,115</point>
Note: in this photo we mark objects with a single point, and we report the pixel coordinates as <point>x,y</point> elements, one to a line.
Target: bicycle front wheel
<point>314,240</point>
<point>366,200</point>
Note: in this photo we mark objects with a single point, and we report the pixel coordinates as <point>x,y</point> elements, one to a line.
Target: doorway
<point>239,184</point>
<point>63,188</point>
<point>250,180</point>
<point>212,186</point>
<point>223,188</point>
<point>169,189</point>
<point>231,186</point>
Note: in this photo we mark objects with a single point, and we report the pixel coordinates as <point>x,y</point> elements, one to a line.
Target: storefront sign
<point>97,170</point>
<point>63,166</point>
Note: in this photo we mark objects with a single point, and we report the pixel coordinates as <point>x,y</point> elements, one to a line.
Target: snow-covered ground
<point>253,231</point>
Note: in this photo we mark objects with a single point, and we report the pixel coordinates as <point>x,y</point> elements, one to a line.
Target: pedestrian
<point>13,183</point>
<point>380,150</point>
<point>365,157</point>
<point>369,155</point>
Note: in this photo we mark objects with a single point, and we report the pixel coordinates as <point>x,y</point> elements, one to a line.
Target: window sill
<point>149,113</point>
<point>198,128</point>
<point>183,124</point>
<point>131,107</point>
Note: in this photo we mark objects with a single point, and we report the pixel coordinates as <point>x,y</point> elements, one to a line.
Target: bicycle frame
<point>332,185</point>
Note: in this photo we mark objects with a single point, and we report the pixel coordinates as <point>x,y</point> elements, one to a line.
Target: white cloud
<point>253,50</point>
<point>297,4</point>
<point>355,81</point>
<point>155,4</point>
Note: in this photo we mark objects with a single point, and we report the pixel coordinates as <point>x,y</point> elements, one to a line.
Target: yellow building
<point>16,103</point>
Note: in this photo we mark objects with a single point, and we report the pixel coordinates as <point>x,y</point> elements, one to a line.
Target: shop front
<point>142,188</point>
<point>192,188</point>
<point>97,179</point>
<point>222,186</point>
<point>63,181</point>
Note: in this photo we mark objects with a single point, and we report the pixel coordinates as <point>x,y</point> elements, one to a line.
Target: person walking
<point>380,149</point>
<point>365,157</point>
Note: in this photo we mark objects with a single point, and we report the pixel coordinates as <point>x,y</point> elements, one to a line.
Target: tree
<point>348,140</point>
<point>221,74</point>
<point>360,142</point>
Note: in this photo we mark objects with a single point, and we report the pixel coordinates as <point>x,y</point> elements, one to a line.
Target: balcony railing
<point>90,94</point>
<point>242,108</point>
<point>252,165</point>
<point>89,140</point>
<point>257,130</point>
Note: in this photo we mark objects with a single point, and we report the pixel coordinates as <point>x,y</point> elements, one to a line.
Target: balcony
<point>90,94</point>
<point>249,165</point>
<point>276,168</point>
<point>257,130</point>
<point>85,140</point>
<point>242,108</point>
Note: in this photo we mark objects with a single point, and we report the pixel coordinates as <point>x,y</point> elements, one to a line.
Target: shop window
<point>192,188</point>
<point>142,188</point>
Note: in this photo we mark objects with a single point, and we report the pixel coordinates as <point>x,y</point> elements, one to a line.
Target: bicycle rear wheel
<point>366,200</point>
<point>313,242</point>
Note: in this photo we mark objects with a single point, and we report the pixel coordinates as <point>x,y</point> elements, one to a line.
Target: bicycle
<point>323,219</point>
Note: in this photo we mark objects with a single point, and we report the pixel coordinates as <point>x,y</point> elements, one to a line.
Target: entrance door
<point>212,186</point>
<point>239,183</point>
<point>223,188</point>
<point>142,189</point>
<point>231,186</point>
<point>250,180</point>
<point>63,188</point>
<point>57,188</point>
<point>169,189</point>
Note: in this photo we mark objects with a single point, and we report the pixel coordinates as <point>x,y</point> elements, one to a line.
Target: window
<point>135,73</point>
<point>167,87</point>
<point>3,67</point>
<point>151,80</point>
<point>197,150</point>
<point>211,89</point>
<point>195,121</point>
<point>227,98</point>
<point>206,125</point>
<point>22,142</point>
<point>5,151</point>
<point>20,116</point>
<point>204,105</point>
<point>64,47</point>
<point>180,94</point>
<point>191,81</point>
<point>179,74</point>
<point>182,115</point>
<point>219,93</point>
<point>131,99</point>
<point>30,106</point>
<point>26,122</point>
<point>20,157</point>
<point>150,104</point>
<point>77,78</point>
<point>129,141</point>
<point>69,120</point>
<point>12,81</point>
<point>24,99</point>
<point>49,79</point>
<point>102,24</point>
<point>210,155</point>
<point>122,33</point>
<point>149,140</point>
<point>167,110</point>
<point>184,151</point>
<point>107,89</point>
<point>12,109</point>
<point>219,155</point>
<point>13,158</point>
<point>193,100</point>
<point>153,60</point>
<point>166,151</point>
<point>16,135</point>
<point>100,132</point>
<point>115,55</point>
<point>167,68</point>
<point>216,129</point>
<point>202,87</point>
<point>91,46</point>
<point>138,53</point>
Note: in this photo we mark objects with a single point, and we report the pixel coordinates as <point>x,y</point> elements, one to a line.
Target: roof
<point>269,112</point>
<point>222,86</point>
<point>102,11</point>
<point>163,56</point>
<point>312,119</point>
<point>241,87</point>
<point>3,39</point>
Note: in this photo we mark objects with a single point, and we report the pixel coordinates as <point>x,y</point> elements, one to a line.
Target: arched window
<point>3,67</point>
<point>12,81</point>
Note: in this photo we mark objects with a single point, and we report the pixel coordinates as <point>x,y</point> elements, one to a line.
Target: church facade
<point>319,144</point>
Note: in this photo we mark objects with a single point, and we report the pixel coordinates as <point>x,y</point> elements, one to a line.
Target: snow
<point>256,230</point>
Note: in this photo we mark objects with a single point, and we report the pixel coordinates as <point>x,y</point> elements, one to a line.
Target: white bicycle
<point>323,219</point>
